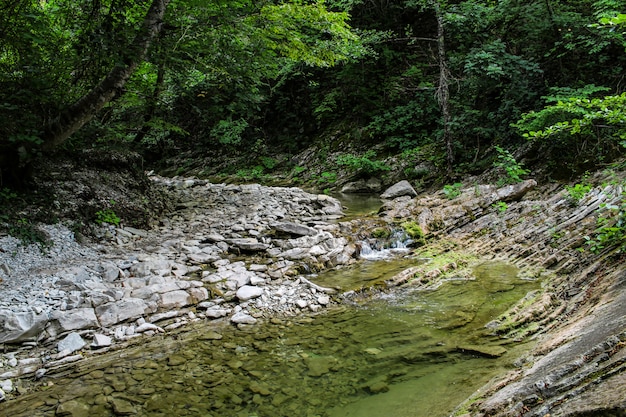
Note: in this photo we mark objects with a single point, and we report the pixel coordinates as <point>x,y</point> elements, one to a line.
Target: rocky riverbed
<point>239,253</point>
<point>230,252</point>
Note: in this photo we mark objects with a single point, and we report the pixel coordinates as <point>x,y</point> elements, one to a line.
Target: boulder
<point>71,343</point>
<point>242,318</point>
<point>248,292</point>
<point>399,189</point>
<point>21,327</point>
<point>76,319</point>
<point>174,299</point>
<point>129,308</point>
<point>515,192</point>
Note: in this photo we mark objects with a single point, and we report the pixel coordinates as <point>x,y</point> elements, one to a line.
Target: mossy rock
<point>415,232</point>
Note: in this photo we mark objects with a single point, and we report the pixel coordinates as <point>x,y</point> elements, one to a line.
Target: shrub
<point>365,164</point>
<point>511,167</point>
<point>452,191</point>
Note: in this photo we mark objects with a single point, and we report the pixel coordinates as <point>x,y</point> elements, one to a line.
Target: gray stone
<point>148,327</point>
<point>248,292</point>
<point>6,385</point>
<point>108,271</point>
<point>295,229</point>
<point>71,343</point>
<point>100,341</point>
<point>76,319</point>
<point>247,244</point>
<point>175,299</point>
<point>21,327</point>
<point>72,408</point>
<point>2,395</point>
<point>198,294</point>
<point>215,313</point>
<point>515,192</point>
<point>242,318</point>
<point>323,300</point>
<point>136,232</point>
<point>399,189</point>
<point>129,308</point>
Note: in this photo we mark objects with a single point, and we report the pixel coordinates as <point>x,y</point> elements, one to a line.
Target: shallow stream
<point>405,354</point>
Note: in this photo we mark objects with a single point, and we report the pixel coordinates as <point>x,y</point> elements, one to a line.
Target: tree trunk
<point>83,110</point>
<point>443,90</point>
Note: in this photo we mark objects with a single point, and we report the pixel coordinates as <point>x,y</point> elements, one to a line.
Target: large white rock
<point>242,318</point>
<point>100,341</point>
<point>19,327</point>
<point>129,308</point>
<point>248,292</point>
<point>76,319</point>
<point>71,343</point>
<point>175,299</point>
<point>399,189</point>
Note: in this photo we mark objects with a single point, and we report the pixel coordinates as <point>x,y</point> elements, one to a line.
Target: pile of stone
<point>229,252</point>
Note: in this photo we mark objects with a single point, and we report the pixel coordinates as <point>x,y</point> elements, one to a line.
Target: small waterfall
<point>377,249</point>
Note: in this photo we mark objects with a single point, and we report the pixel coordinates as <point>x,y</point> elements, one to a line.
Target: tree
<point>83,110</point>
<point>77,60</point>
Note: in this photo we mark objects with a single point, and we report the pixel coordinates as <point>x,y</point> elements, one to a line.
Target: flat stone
<point>248,292</point>
<point>113,313</point>
<point>76,319</point>
<point>215,313</point>
<point>242,318</point>
<point>295,229</point>
<point>247,244</point>
<point>100,341</point>
<point>71,343</point>
<point>175,299</point>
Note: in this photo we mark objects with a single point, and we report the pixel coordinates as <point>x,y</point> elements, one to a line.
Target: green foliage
<point>364,165</point>
<point>327,178</point>
<point>501,207</point>
<point>511,167</point>
<point>452,191</point>
<point>575,117</point>
<point>578,191</point>
<point>381,233</point>
<point>28,234</point>
<point>255,173</point>
<point>415,232</point>
<point>611,231</point>
<point>108,216</point>
<point>406,126</point>
<point>229,132</point>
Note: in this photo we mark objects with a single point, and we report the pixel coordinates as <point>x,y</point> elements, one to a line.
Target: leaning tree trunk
<point>76,115</point>
<point>443,90</point>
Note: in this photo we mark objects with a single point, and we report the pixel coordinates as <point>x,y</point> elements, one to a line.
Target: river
<point>401,353</point>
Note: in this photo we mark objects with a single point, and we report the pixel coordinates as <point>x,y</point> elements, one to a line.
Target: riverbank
<point>237,253</point>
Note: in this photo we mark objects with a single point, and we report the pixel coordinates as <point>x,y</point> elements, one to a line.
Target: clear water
<point>402,355</point>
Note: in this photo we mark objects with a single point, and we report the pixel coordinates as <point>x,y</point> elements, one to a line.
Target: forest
<point>431,90</point>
